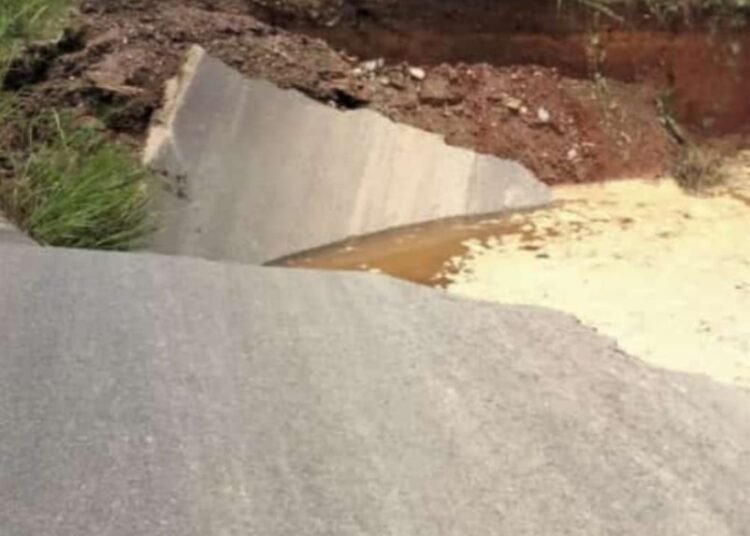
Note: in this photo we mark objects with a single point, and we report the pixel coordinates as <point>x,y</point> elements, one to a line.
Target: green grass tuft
<point>31,19</point>
<point>63,183</point>
<point>24,20</point>
<point>85,192</point>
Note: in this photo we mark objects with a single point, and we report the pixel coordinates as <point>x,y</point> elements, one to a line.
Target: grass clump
<point>698,169</point>
<point>732,14</point>
<point>65,184</point>
<point>24,20</point>
<point>30,19</point>
<point>82,191</point>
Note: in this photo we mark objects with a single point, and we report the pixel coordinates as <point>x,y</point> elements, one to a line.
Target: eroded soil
<point>566,129</point>
<point>697,54</point>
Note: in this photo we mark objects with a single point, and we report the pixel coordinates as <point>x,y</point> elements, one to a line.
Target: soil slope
<point>565,129</point>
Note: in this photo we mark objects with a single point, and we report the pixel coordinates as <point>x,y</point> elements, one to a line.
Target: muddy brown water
<point>417,253</point>
<point>430,254</point>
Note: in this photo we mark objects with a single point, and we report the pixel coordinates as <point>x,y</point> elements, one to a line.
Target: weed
<point>699,169</point>
<point>596,54</point>
<point>732,14</point>
<point>599,7</point>
<point>82,191</point>
<point>22,20</point>
<point>667,119</point>
<point>68,185</point>
<point>30,19</point>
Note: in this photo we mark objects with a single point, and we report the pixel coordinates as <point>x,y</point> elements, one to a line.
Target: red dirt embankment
<point>701,58</point>
<point>704,75</point>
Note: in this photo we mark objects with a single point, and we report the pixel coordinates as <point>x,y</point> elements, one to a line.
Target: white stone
<point>417,73</point>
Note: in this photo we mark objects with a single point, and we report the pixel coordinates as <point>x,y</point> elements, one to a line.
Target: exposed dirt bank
<point>677,66</point>
<point>700,58</point>
<point>564,128</point>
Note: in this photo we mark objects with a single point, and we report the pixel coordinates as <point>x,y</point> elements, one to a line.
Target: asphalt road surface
<point>148,395</point>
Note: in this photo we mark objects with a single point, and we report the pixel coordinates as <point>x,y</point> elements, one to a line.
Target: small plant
<point>65,184</point>
<point>732,14</point>
<point>82,191</point>
<point>23,20</point>
<point>599,7</point>
<point>596,54</point>
<point>699,169</point>
<point>667,118</point>
<point>29,19</point>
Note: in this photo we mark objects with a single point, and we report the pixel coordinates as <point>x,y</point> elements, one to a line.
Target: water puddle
<point>664,273</point>
<point>416,254</point>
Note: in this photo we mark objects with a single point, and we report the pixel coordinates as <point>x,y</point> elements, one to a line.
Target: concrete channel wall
<point>147,394</point>
<point>258,173</point>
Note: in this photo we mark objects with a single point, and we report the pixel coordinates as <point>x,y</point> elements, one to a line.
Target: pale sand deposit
<point>664,273</point>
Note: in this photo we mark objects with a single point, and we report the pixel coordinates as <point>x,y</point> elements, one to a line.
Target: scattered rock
<point>513,104</point>
<point>437,90</point>
<point>543,115</point>
<point>398,80</point>
<point>371,66</point>
<point>115,89</point>
<point>113,74</point>
<point>417,73</point>
<point>107,40</point>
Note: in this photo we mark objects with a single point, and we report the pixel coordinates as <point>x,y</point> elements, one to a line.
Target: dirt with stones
<point>114,63</point>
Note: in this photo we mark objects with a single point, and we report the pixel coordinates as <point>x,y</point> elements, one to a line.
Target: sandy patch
<point>664,273</point>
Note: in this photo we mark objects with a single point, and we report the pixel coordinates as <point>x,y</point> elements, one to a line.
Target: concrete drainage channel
<point>219,396</point>
<point>266,173</point>
<point>306,185</point>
